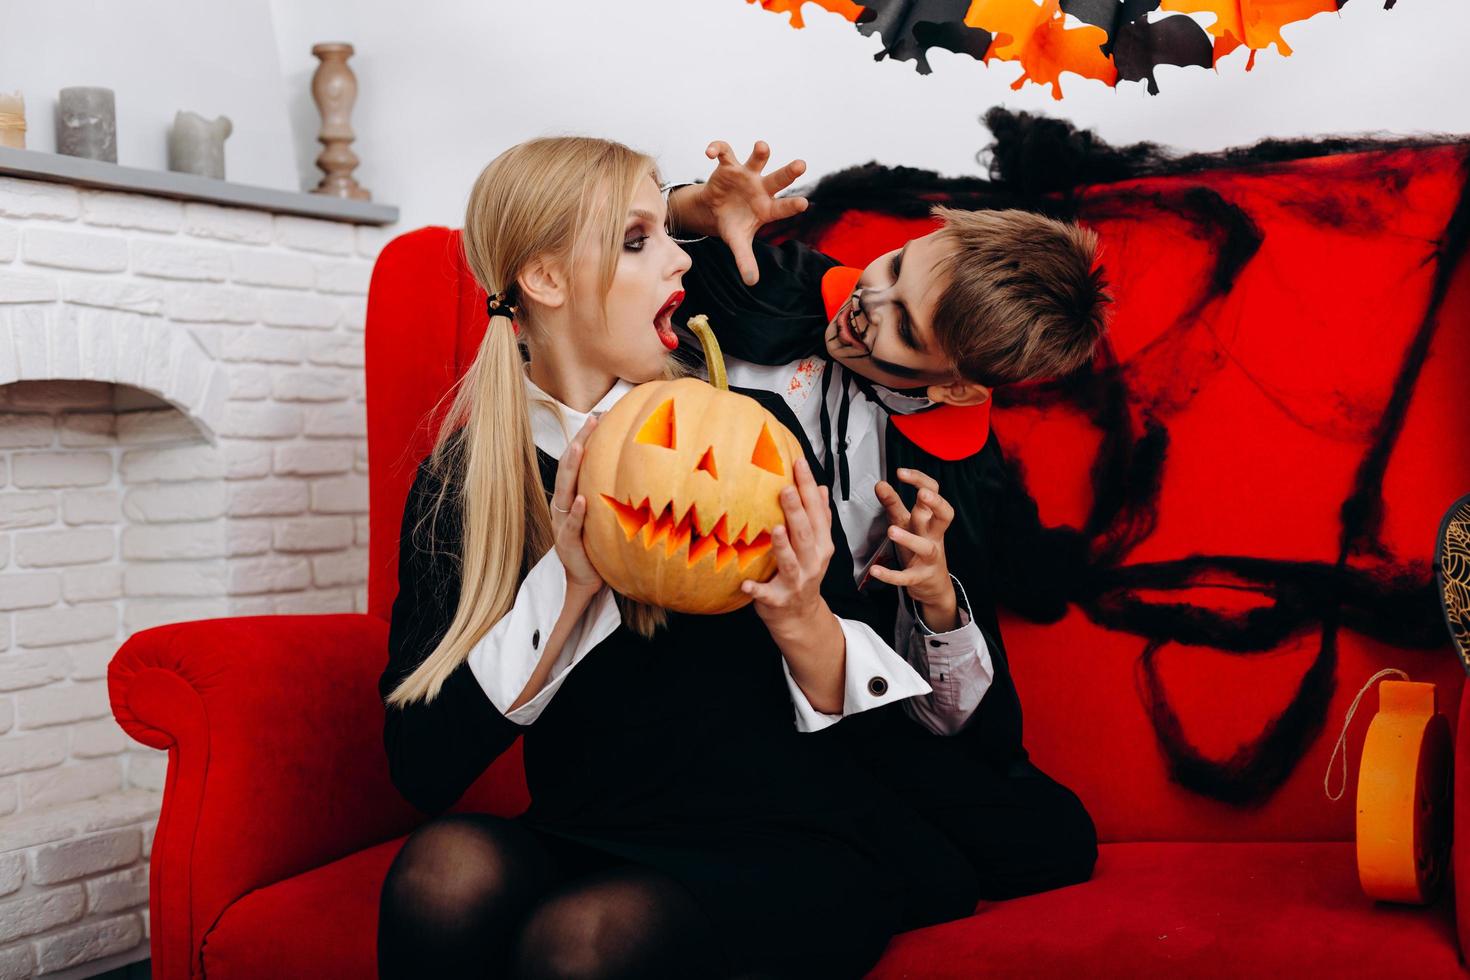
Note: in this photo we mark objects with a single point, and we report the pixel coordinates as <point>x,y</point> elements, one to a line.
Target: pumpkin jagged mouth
<point>682,532</point>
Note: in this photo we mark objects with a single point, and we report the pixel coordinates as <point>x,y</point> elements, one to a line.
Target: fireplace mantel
<point>59,168</point>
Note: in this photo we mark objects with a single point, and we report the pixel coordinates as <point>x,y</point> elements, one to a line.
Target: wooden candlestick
<point>334,87</point>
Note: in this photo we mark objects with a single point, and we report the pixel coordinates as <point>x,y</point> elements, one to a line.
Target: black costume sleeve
<point>1001,552</point>
<point>435,749</point>
<point>779,319</point>
<point>994,731</point>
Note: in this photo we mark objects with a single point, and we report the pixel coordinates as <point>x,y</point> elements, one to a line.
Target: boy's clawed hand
<point>737,199</point>
<point>919,538</point>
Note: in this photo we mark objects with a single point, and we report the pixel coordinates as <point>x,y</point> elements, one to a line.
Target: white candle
<point>12,120</point>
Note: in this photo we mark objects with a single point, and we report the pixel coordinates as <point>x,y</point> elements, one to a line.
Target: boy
<point>889,371</point>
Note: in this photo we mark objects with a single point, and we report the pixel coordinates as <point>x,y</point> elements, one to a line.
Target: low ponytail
<point>536,199</point>
<point>507,518</point>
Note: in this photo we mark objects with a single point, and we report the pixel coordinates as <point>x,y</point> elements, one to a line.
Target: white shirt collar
<point>553,424</point>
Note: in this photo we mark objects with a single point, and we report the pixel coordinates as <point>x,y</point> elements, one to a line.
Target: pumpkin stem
<point>713,359</point>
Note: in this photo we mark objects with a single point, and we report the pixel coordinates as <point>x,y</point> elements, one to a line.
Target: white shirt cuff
<point>875,676</point>
<point>957,663</point>
<point>506,656</point>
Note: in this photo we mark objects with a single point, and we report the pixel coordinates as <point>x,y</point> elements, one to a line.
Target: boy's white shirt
<point>503,660</point>
<point>956,663</point>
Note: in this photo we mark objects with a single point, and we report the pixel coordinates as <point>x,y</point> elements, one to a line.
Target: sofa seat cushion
<point>1152,909</point>
<point>322,924</point>
<point>1215,910</point>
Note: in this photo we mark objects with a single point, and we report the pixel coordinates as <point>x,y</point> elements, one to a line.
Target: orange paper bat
<point>845,8</point>
<point>1036,35</point>
<point>1255,23</point>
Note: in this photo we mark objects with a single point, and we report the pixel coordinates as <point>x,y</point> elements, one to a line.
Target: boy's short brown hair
<point>1025,297</point>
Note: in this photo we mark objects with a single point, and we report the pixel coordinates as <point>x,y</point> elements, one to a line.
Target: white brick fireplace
<point>181,436</point>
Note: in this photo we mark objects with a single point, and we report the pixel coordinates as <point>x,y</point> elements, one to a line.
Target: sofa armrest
<point>273,727</point>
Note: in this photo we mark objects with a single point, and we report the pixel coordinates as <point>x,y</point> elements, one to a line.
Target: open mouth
<point>844,327</point>
<point>682,533</point>
<point>663,322</point>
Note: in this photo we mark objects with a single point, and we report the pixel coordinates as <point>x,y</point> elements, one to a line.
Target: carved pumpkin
<point>682,480</point>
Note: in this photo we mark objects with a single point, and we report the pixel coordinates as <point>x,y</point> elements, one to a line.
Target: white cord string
<point>1341,745</point>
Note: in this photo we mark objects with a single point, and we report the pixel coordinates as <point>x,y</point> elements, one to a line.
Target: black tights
<point>472,895</point>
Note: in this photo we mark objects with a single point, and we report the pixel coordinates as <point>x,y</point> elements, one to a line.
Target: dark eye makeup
<point>897,370</point>
<point>905,328</point>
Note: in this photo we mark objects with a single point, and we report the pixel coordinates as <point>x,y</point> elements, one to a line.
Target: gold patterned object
<point>1452,572</point>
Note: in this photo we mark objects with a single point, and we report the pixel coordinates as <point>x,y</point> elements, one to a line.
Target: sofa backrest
<point>425,318</point>
<point>1258,463</point>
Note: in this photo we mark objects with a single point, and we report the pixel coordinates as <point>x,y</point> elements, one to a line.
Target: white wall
<point>213,57</point>
<point>447,84</point>
<point>445,90</point>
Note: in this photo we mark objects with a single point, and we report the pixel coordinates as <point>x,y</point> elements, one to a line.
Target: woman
<point>680,823</point>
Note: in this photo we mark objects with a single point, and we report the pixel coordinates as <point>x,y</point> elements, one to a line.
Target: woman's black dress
<point>680,754</point>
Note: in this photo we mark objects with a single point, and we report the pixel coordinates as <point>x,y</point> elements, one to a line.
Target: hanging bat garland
<point>1106,40</point>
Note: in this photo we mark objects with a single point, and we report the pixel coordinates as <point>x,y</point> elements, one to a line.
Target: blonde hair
<point>559,197</point>
<point>1025,297</point>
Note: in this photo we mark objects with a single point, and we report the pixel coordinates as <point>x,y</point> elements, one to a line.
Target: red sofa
<point>279,821</point>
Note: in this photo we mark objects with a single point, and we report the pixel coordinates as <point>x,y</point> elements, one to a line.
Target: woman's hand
<point>737,200</point>
<point>791,605</point>
<point>919,538</point>
<point>569,510</point>
<point>803,546</point>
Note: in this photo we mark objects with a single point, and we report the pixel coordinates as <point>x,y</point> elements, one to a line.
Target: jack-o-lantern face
<point>682,482</point>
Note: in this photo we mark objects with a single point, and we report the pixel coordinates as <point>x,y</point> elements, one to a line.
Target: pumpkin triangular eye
<point>707,462</point>
<point>658,430</point>
<point>766,455</point>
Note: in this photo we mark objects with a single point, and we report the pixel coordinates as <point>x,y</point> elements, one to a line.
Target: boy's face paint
<point>647,286</point>
<point>884,331</point>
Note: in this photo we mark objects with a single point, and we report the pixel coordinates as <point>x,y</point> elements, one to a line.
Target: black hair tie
<point>499,304</point>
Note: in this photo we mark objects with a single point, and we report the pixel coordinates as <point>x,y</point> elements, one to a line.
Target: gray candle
<point>197,145</point>
<point>87,123</point>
